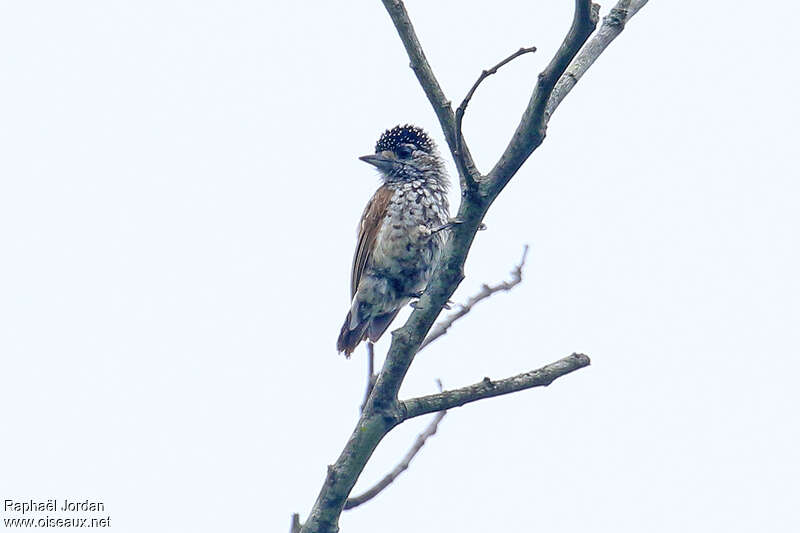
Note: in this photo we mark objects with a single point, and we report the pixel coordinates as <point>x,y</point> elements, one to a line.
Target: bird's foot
<point>415,296</point>
<point>447,225</point>
<point>414,304</point>
<point>453,222</point>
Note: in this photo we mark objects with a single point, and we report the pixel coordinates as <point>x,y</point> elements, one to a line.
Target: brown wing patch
<point>371,222</point>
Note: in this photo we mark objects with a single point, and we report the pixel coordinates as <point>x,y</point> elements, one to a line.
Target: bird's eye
<point>404,151</point>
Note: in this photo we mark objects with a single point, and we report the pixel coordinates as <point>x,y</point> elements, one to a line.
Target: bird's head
<point>406,153</point>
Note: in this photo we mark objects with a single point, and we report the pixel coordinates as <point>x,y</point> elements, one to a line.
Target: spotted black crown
<point>406,134</point>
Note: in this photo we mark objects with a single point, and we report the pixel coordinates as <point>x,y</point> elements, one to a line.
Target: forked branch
<point>383,411</point>
<point>402,466</point>
<point>612,26</point>
<point>440,403</point>
<point>532,127</point>
<point>437,331</point>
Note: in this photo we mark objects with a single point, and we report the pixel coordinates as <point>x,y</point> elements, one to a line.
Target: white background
<point>179,189</point>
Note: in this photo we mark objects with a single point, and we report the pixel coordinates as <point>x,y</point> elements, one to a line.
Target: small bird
<point>399,237</point>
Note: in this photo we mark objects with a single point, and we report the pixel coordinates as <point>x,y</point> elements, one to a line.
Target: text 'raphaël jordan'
<point>52,505</point>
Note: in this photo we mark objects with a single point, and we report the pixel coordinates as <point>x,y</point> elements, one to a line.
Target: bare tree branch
<point>400,468</point>
<point>533,125</point>
<point>438,330</point>
<point>486,291</point>
<point>612,26</point>
<point>441,105</point>
<point>488,388</point>
<point>383,411</point>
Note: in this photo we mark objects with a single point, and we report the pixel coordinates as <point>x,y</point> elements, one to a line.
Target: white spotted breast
<point>404,243</point>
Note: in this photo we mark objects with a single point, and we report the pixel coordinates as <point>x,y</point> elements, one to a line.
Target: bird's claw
<point>452,223</point>
<point>414,303</point>
<point>447,225</point>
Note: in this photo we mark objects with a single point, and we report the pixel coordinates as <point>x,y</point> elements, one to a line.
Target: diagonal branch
<point>532,127</point>
<point>488,388</point>
<point>612,26</point>
<point>486,291</point>
<point>441,105</point>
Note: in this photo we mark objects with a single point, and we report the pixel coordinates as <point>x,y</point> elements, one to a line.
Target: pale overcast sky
<point>179,190</point>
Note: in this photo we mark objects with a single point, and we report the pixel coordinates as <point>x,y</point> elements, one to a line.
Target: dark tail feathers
<point>371,329</point>
<point>349,338</point>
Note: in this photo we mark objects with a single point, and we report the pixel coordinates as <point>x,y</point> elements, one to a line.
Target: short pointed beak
<point>372,159</point>
<point>378,160</point>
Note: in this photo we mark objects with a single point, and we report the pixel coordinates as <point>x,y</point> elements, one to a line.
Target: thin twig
<point>371,376</point>
<point>486,291</point>
<point>471,184</point>
<point>387,480</point>
<point>367,495</point>
<point>488,388</point>
<point>295,526</point>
